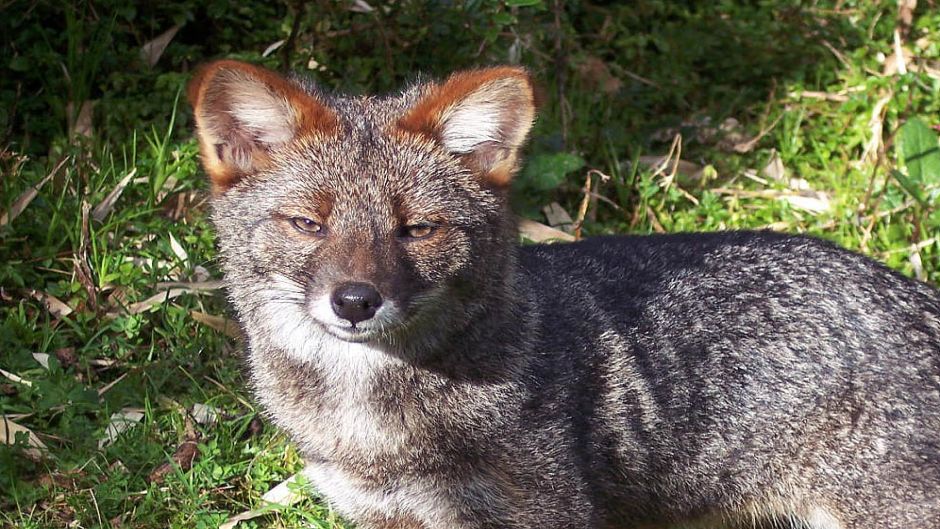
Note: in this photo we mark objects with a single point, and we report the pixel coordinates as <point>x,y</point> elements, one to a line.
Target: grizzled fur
<point>699,380</point>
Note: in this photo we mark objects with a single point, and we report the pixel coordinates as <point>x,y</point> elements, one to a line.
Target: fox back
<point>436,375</point>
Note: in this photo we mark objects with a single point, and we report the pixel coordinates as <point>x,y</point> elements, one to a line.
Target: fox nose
<point>355,301</point>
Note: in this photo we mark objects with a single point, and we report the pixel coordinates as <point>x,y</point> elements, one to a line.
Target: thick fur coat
<point>438,376</point>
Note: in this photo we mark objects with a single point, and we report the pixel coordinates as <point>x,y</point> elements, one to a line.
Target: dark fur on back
<point>742,379</point>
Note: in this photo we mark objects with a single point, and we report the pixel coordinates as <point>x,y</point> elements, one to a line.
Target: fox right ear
<point>482,115</point>
<point>243,112</point>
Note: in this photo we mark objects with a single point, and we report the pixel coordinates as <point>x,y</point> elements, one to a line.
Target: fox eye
<point>308,226</point>
<point>418,231</point>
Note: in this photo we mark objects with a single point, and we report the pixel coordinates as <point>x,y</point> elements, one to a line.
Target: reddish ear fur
<point>481,115</point>
<point>244,111</point>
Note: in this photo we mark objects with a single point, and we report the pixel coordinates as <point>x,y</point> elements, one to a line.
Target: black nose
<point>355,301</point>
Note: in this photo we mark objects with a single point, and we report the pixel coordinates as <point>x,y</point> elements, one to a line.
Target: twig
<point>561,68</point>
<point>299,8</point>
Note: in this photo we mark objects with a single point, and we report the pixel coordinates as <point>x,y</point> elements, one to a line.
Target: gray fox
<point>437,375</point>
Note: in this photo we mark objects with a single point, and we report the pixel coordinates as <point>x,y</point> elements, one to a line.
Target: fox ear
<point>482,115</point>
<point>243,112</point>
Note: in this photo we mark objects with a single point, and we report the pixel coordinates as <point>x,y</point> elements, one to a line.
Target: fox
<point>436,374</point>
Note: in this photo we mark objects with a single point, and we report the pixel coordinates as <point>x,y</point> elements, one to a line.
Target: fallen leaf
<point>54,305</point>
<point>67,480</point>
<point>774,169</point>
<point>183,458</point>
<point>156,299</point>
<point>81,124</point>
<point>273,47</point>
<point>120,422</point>
<point>8,429</point>
<point>361,6</point>
<point>281,494</point>
<point>663,162</point>
<point>178,250</point>
<point>192,286</point>
<point>204,414</point>
<point>151,51</point>
<point>22,201</point>
<point>16,378</point>
<point>538,232</point>
<point>918,265</point>
<point>66,356</point>
<point>810,201</point>
<point>42,358</point>
<point>105,206</point>
<point>557,217</point>
<point>223,325</point>
<point>201,274</point>
<point>594,71</point>
<point>81,263</point>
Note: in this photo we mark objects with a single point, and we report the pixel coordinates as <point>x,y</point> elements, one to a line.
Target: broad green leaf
<point>921,154</point>
<point>523,3</point>
<point>548,171</point>
<point>909,185</point>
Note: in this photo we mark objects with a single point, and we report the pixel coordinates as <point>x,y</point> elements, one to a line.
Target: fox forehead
<point>368,170</point>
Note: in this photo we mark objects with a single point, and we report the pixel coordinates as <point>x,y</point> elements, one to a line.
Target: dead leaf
<point>81,263</point>
<point>42,358</point>
<point>874,146</point>
<point>8,429</point>
<point>120,422</point>
<point>151,51</point>
<point>906,15</point>
<point>361,6</point>
<point>192,286</point>
<point>223,325</point>
<point>281,494</point>
<point>774,169</point>
<point>200,274</point>
<point>273,47</point>
<point>810,201</point>
<point>81,124</point>
<point>178,250</point>
<point>748,145</point>
<point>538,232</point>
<point>66,356</point>
<point>658,162</point>
<point>204,414</point>
<point>557,217</point>
<point>16,378</point>
<point>918,265</point>
<point>54,305</point>
<point>596,73</point>
<point>22,201</point>
<point>156,299</point>
<point>813,94</point>
<point>184,457</point>
<point>67,480</point>
<point>105,206</point>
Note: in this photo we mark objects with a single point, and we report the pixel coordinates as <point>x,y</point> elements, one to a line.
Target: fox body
<point>435,375</point>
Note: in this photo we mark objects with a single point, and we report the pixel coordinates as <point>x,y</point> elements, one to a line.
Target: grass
<point>845,148</point>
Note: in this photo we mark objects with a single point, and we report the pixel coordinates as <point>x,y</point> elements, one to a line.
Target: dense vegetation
<point>122,393</point>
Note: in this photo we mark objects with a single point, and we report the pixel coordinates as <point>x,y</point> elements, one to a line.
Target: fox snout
<point>355,302</point>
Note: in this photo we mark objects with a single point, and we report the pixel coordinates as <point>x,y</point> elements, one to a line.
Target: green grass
<point>635,77</point>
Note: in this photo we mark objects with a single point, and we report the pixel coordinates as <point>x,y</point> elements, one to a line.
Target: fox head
<point>378,220</point>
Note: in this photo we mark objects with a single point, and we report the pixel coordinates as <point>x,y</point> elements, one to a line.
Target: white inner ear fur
<point>494,113</point>
<point>267,116</point>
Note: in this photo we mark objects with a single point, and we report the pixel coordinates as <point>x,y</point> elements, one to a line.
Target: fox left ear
<point>481,115</point>
<point>243,112</point>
